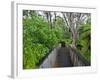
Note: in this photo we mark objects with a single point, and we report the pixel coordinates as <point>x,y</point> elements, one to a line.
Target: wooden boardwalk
<point>63,58</point>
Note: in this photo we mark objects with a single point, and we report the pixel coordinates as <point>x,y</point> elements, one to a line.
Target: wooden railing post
<point>77,59</point>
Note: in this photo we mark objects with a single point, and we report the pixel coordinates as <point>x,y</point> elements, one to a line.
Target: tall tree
<point>55,19</point>
<point>48,17</point>
<point>73,21</point>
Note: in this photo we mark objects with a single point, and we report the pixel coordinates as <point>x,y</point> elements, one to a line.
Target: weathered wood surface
<point>77,59</point>
<point>64,57</point>
<point>49,62</point>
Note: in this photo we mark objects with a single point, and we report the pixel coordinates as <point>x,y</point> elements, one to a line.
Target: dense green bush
<point>84,42</point>
<point>38,40</point>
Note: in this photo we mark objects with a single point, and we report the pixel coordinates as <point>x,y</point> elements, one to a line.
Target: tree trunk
<point>50,20</point>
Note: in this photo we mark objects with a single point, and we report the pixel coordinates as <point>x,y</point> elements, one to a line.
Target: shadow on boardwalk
<point>63,58</point>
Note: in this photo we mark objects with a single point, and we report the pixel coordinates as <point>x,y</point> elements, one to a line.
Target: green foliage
<point>38,40</point>
<point>84,41</point>
<point>59,22</point>
<point>66,37</point>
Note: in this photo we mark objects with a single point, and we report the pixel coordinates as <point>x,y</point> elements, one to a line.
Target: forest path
<point>63,58</point>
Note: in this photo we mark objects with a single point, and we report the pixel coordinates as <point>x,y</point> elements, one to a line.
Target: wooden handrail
<point>77,59</point>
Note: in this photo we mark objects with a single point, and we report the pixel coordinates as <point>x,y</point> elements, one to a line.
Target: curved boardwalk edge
<point>64,57</point>
<point>49,62</point>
